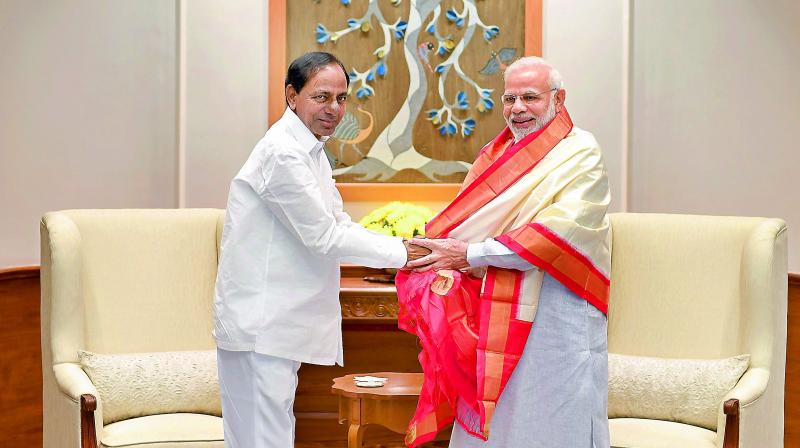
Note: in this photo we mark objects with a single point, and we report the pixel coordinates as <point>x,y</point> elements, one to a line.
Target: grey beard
<point>548,116</point>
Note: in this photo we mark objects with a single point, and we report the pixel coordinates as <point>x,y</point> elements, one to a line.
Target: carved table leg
<point>355,436</point>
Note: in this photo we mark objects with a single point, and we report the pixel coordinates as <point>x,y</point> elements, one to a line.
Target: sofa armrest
<point>73,382</point>
<point>731,435</point>
<point>760,397</point>
<point>88,429</point>
<point>750,387</point>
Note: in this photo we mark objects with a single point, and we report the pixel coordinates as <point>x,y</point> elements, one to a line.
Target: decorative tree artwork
<point>425,80</point>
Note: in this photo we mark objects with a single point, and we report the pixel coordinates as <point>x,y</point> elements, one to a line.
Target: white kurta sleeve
<point>292,192</point>
<point>493,253</point>
<point>342,218</point>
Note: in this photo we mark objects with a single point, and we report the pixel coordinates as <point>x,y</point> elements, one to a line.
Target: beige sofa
<point>703,287</point>
<point>124,281</point>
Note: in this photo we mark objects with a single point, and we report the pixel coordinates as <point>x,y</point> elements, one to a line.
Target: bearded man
<point>530,223</point>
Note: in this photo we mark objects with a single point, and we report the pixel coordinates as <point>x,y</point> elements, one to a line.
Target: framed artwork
<point>425,83</point>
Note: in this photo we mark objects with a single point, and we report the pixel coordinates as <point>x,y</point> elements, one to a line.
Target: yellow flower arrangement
<point>398,219</point>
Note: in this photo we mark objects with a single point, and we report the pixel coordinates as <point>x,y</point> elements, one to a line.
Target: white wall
<point>586,40</point>
<point>226,82</point>
<point>715,105</point>
<point>100,100</point>
<point>87,112</point>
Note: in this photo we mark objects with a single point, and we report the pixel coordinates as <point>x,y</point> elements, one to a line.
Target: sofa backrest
<point>124,281</point>
<point>687,286</point>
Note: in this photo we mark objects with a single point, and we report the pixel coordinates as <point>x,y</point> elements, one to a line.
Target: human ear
<point>291,97</point>
<point>561,95</point>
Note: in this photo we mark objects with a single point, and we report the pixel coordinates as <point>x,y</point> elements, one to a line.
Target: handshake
<point>437,254</point>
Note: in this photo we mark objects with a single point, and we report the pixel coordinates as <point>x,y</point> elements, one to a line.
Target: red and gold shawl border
<point>545,249</point>
<point>501,340</point>
<point>515,162</point>
<point>425,430</point>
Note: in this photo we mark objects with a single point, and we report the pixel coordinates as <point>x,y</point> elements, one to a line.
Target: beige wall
<point>134,103</point>
<point>225,97</point>
<point>157,103</point>
<point>715,103</point>
<point>87,112</point>
<point>587,41</point>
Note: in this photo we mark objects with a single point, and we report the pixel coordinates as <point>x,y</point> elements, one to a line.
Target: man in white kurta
<point>285,234</point>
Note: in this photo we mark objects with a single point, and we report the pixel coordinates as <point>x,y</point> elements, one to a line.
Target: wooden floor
<point>21,379</point>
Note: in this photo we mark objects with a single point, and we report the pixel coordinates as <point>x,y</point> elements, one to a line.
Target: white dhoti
<point>557,397</point>
<point>257,394</point>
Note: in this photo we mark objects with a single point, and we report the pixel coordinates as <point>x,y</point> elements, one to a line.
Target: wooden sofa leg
<point>731,409</point>
<point>88,432</point>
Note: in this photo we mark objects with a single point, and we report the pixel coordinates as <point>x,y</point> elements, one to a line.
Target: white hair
<point>554,77</point>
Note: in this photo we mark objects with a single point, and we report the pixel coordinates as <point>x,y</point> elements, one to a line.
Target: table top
<point>399,385</point>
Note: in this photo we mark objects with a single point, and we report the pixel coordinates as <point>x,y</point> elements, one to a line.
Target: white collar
<point>301,132</point>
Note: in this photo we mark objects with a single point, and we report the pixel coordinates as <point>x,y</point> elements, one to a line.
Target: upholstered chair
<point>699,288</point>
<point>126,282</point>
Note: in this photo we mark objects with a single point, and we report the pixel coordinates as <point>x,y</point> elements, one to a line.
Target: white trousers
<point>257,394</point>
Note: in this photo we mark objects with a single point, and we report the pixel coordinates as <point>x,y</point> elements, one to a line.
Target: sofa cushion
<point>680,390</point>
<point>139,384</point>
<point>165,431</point>
<point>640,433</point>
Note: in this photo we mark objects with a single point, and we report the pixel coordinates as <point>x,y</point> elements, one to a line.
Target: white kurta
<point>285,234</point>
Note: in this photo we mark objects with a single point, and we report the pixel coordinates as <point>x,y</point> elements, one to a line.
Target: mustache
<point>523,117</point>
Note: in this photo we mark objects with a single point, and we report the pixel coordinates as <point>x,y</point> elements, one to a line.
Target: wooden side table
<point>391,406</point>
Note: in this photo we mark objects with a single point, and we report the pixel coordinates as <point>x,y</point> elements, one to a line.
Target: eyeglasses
<point>527,97</point>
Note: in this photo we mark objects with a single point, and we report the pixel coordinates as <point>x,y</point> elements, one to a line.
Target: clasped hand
<point>437,254</point>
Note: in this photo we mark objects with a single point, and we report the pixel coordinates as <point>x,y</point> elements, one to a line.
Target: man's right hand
<point>415,252</point>
<point>446,253</point>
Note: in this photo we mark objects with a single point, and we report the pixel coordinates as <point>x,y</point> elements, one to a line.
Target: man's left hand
<point>445,254</point>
